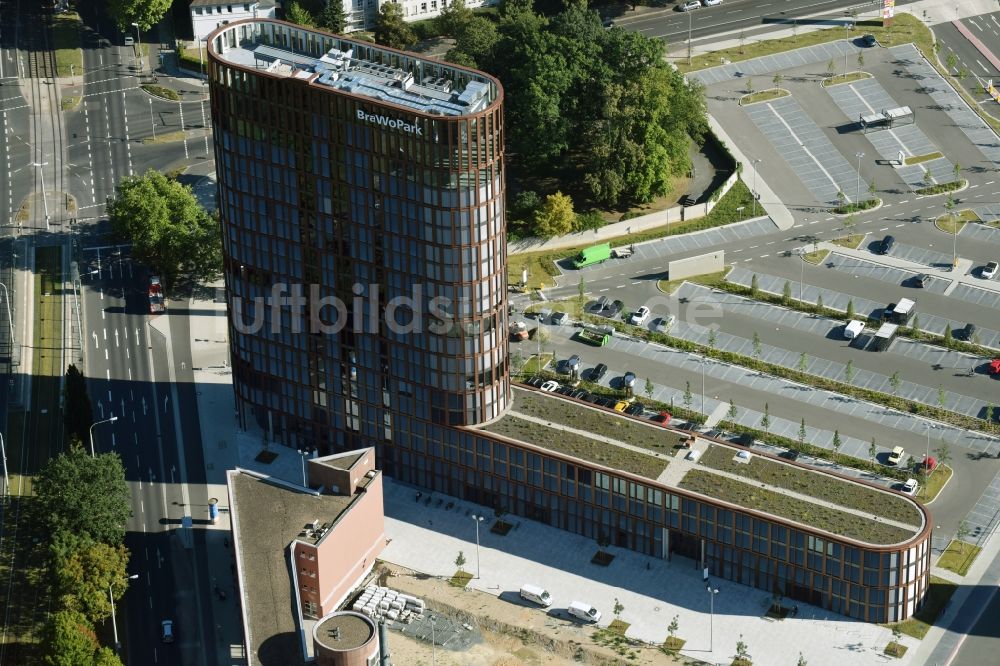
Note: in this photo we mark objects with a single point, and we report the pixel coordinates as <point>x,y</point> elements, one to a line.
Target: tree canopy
<point>84,495</point>
<point>555,217</point>
<point>296,13</point>
<point>146,13</point>
<point>390,28</point>
<point>85,574</point>
<point>332,17</point>
<point>168,228</point>
<point>583,103</point>
<point>71,640</point>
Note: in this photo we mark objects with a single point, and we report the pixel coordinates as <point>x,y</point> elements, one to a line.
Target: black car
<point>598,372</point>
<point>886,245</point>
<point>921,280</point>
<point>635,409</point>
<point>790,454</point>
<point>869,40</point>
<point>579,394</point>
<point>593,398</point>
<point>605,402</point>
<point>968,332</point>
<point>565,390</point>
<point>535,382</point>
<point>616,308</point>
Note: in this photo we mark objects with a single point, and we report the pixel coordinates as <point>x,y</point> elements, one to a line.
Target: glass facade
<point>328,196</point>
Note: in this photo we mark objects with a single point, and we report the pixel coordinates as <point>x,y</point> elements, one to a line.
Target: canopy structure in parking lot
<point>887,118</point>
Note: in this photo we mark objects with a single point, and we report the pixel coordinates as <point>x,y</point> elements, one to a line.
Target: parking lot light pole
<point>138,41</point>
<point>704,361</point>
<point>45,199</point>
<point>94,425</point>
<point>151,122</point>
<point>712,591</point>
<point>802,270</point>
<point>754,192</point>
<point>304,454</point>
<point>857,199</point>
<point>477,519</point>
<point>114,623</point>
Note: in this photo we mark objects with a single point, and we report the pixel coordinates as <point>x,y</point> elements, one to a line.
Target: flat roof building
<point>361,196</point>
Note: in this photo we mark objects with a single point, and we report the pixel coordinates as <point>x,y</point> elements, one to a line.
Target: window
<point>197,10</point>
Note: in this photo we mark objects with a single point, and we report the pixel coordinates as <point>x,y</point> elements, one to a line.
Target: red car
<point>663,418</point>
<point>995,366</point>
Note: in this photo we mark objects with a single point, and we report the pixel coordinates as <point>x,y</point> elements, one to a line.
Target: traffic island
<point>952,223</point>
<point>839,79</point>
<point>763,96</point>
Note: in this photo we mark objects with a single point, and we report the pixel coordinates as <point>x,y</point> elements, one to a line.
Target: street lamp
<point>114,623</point>
<point>138,40</point>
<point>151,122</point>
<point>712,591</point>
<point>477,519</point>
<point>110,420</point>
<point>689,37</point>
<point>305,455</point>
<point>802,270</point>
<point>3,455</point>
<point>45,200</point>
<point>857,197</point>
<point>10,317</point>
<point>433,644</point>
<point>704,362</point>
<point>754,192</point>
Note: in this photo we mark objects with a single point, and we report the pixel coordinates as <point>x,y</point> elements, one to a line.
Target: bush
<point>590,220</point>
<point>525,204</point>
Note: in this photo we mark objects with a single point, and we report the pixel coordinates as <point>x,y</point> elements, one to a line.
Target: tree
<point>106,657</point>
<point>454,18</point>
<point>649,388</point>
<point>990,413</point>
<point>731,413</point>
<point>949,339</point>
<point>749,85</point>
<point>819,303</point>
<point>873,451</point>
<point>928,178</point>
<point>941,396</point>
<point>168,228</point>
<point>742,652</point>
<point>688,399</point>
<point>963,73</point>
<point>712,339</point>
<point>332,17</point>
<point>776,80</point>
<point>962,531</point>
<point>765,421</point>
<point>802,661</point>
<point>460,560</point>
<point>146,13</point>
<point>85,495</point>
<point>786,293</point>
<point>754,286</point>
<point>850,308</point>
<point>802,432</point>
<point>943,453</point>
<point>861,61</point>
<point>475,40</point>
<point>831,67</point>
<point>915,324</point>
<point>951,60</point>
<point>957,170</point>
<point>70,640</point>
<point>673,626</point>
<point>296,13</point>
<point>849,370</point>
<point>617,608</point>
<point>84,575</point>
<point>850,222</point>
<point>841,198</point>
<point>836,441</point>
<point>742,42</point>
<point>555,217</point>
<point>78,413</point>
<point>873,188</point>
<point>390,28</point>
<point>895,382</point>
<point>803,362</point>
<point>581,297</point>
<point>757,348</point>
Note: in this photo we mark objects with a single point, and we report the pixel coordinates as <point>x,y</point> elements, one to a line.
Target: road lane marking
<point>105,334</point>
<point>109,379</point>
<point>105,354</point>
<point>982,65</point>
<point>905,201</point>
<point>129,372</point>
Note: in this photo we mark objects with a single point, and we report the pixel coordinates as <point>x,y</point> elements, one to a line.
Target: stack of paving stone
<point>382,602</point>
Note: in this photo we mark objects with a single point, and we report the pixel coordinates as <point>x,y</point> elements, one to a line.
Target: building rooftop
<point>268,515</point>
<point>343,631</point>
<point>358,68</point>
<point>719,470</point>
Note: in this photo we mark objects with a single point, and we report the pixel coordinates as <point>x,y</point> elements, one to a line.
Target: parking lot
<point>876,271</point>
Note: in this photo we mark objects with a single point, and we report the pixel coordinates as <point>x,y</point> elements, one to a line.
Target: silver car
<point>689,6</point>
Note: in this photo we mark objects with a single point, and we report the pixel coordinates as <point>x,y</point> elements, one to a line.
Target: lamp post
<point>857,196</point>
<point>433,644</point>
<point>689,37</point>
<point>45,200</point>
<point>704,362</point>
<point>114,623</point>
<point>10,317</point>
<point>3,456</point>
<point>477,519</point>
<point>138,41</point>
<point>847,46</point>
<point>712,591</point>
<point>151,122</point>
<point>109,420</point>
<point>304,454</point>
<point>754,192</point>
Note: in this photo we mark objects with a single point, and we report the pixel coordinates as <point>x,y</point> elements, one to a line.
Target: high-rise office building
<point>354,177</point>
<point>371,182</point>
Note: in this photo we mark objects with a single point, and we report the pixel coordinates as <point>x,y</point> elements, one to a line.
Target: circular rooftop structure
<point>339,638</point>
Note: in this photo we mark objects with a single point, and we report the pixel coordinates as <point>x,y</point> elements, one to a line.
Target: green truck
<point>594,336</point>
<point>592,255</point>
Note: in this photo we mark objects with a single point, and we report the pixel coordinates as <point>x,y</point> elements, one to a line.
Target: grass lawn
<point>933,486</point>
<point>816,257</point>
<point>764,96</point>
<point>597,421</point>
<point>66,37</point>
<point>917,159</point>
<point>735,206</point>
<point>845,78</point>
<point>70,102</point>
<point>821,486</point>
<point>768,501</point>
<point>460,579</point>
<point>937,596</point>
<point>619,626</point>
<point>958,557</point>
<point>942,188</point>
<point>673,645</point>
<point>894,649</point>
<point>709,279</point>
<point>852,242</point>
<point>905,28</point>
<point>557,439</point>
<point>161,91</point>
<point>952,224</point>
<point>533,367</point>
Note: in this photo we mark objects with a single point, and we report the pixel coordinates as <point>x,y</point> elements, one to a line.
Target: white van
<point>854,329</point>
<point>585,612</point>
<point>536,595</point>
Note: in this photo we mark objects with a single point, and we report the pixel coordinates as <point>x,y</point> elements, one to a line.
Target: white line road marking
<point>129,368</point>
<point>101,290</point>
<point>884,229</point>
<point>96,345</point>
<point>105,354</point>
<point>900,225</point>
<point>105,334</point>
<point>982,65</point>
<point>135,438</point>
<point>990,182</point>
<point>763,255</point>
<point>972,187</point>
<point>602,290</point>
<point>113,442</point>
<point>117,344</point>
<point>103,315</point>
<point>127,354</point>
<point>109,379</point>
<point>905,201</point>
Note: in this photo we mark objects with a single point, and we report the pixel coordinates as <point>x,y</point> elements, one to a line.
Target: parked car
<point>995,367</point>
<point>663,324</point>
<point>693,455</point>
<point>790,454</point>
<point>636,409</point>
<point>535,382</point>
<point>869,40</point>
<point>689,6</point>
<point>896,455</point>
<point>910,487</point>
<point>613,310</point>
<point>167,631</point>
<point>605,402</point>
<point>560,318</point>
<point>550,386</point>
<point>710,3</point>
<point>990,270</point>
<point>967,332</point>
<point>663,418</point>
<point>569,366</point>
<point>628,380</point>
<point>594,399</point>
<point>597,307</point>
<point>639,316</point>
<point>565,390</point>
<point>621,405</point>
<point>886,245</point>
<point>597,372</point>
<point>921,280</point>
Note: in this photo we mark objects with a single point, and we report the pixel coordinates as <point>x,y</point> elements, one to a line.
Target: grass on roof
<point>824,518</point>
<point>821,486</point>
<point>578,446</point>
<point>599,422</point>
